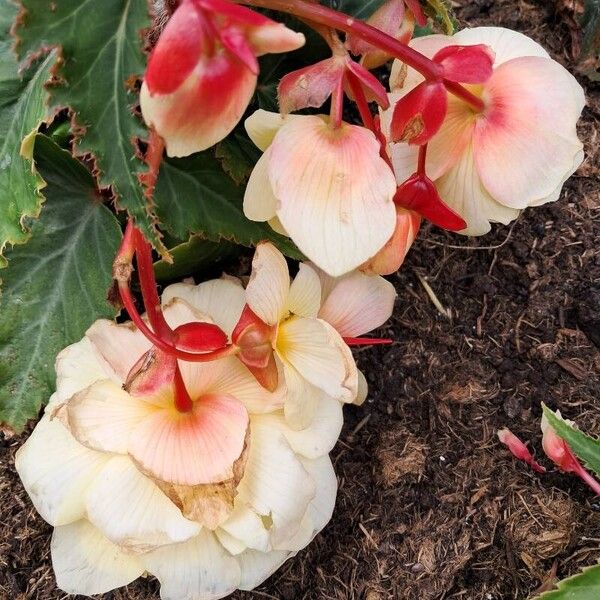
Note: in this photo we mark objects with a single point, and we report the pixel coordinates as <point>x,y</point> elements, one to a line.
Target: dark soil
<point>430,505</point>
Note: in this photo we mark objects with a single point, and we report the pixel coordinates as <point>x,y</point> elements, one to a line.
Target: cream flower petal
<point>262,126</point>
<point>199,569</point>
<point>246,526</point>
<point>275,483</point>
<point>363,389</point>
<point>221,299</point>
<point>257,566</point>
<point>77,367</point>
<point>358,303</point>
<point>230,376</point>
<point>302,399</point>
<point>132,512</point>
<point>321,507</point>
<point>305,293</point>
<point>56,470</point>
<point>178,311</point>
<point>506,43</point>
<point>103,416</point>
<point>335,192</point>
<point>322,433</point>
<point>86,563</point>
<point>120,345</point>
<point>260,204</point>
<point>462,190</point>
<point>269,285</point>
<point>521,149</point>
<point>231,544</point>
<point>316,351</point>
<point>192,448</point>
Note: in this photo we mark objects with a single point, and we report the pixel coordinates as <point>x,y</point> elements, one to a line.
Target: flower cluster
<point>192,444</point>
<point>217,497</point>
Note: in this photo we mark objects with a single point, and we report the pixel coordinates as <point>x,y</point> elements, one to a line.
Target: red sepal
<point>418,193</point>
<point>200,337</point>
<point>374,90</point>
<point>419,115</point>
<point>417,11</point>
<point>151,373</point>
<point>466,64</point>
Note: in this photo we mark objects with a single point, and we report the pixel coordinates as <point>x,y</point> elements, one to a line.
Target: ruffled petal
<point>86,563</point>
<point>103,416</point>
<point>246,526</point>
<point>260,203</point>
<point>121,346</point>
<point>269,285</point>
<point>358,303</point>
<point>230,376</point>
<point>221,299</point>
<point>305,293</point>
<point>521,149</point>
<point>462,190</point>
<point>275,484</point>
<point>321,506</point>
<point>316,351</point>
<point>193,448</point>
<point>301,400</point>
<point>335,192</point>
<point>56,471</point>
<point>199,569</point>
<point>132,512</point>
<point>257,566</point>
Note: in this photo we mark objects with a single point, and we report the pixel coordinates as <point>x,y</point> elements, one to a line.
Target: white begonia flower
<point>207,501</point>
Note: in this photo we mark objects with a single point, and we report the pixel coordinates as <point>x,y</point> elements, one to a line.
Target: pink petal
<point>192,448</point>
<point>419,115</point>
<point>374,90</point>
<point>519,449</point>
<point>466,64</point>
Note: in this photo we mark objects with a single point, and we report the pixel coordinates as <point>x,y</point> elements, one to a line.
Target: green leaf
<point>585,447</point>
<point>238,155</point>
<point>590,25</point>
<point>56,285</point>
<point>192,256</point>
<point>440,10</point>
<point>583,586</point>
<point>194,196</point>
<point>101,48</point>
<point>22,108</point>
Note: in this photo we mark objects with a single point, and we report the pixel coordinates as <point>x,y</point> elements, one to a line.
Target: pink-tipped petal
<point>334,190</point>
<point>518,449</point>
<point>374,90</point>
<point>557,449</point>
<point>275,38</point>
<point>193,448</point>
<point>419,115</point>
<point>466,64</point>
<point>178,49</point>
<point>310,86</point>
<point>391,257</point>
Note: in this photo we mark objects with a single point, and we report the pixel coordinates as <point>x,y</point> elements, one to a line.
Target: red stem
<point>358,341</point>
<point>337,105</point>
<point>342,22</point>
<point>148,284</point>
<point>183,401</point>
<point>422,159</point>
<point>460,92</point>
<point>361,102</point>
<point>589,480</point>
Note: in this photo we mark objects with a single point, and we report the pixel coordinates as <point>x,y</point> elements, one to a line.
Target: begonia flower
<point>557,449</point>
<point>328,187</point>
<point>203,71</point>
<point>518,151</point>
<point>207,501</point>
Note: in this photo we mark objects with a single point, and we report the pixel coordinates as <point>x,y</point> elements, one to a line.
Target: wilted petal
<point>315,350</point>
<point>104,415</point>
<point>363,389</point>
<point>462,190</point>
<point>305,293</point>
<point>275,483</point>
<point>259,202</point>
<point>522,150</point>
<point>86,563</point>
<point>335,192</point>
<point>269,285</point>
<point>56,471</point>
<point>357,303</point>
<point>221,299</point>
<point>192,448</point>
<point>132,512</point>
<point>199,569</point>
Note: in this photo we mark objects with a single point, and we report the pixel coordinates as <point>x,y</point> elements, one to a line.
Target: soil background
<point>430,505</point>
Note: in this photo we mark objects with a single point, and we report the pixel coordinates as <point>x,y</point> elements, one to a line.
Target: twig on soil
<point>454,247</point>
<point>439,306</point>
